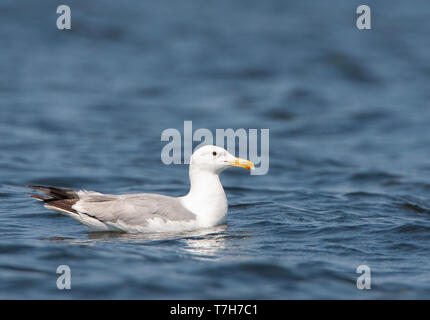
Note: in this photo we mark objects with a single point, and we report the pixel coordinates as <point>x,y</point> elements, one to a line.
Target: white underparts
<point>206,199</point>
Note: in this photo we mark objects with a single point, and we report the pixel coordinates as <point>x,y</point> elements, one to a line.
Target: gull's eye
<point>214,153</point>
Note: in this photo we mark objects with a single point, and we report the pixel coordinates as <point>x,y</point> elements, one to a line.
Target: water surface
<point>348,113</point>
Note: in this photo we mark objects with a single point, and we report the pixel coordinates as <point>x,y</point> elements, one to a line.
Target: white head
<point>216,159</point>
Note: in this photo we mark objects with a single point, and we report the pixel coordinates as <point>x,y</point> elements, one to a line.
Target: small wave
<point>411,228</point>
<point>250,205</point>
<point>372,176</point>
<point>414,207</point>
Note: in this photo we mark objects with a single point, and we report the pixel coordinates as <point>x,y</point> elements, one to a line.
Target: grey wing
<point>132,209</point>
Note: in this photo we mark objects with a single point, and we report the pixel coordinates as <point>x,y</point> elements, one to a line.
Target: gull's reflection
<point>156,235</point>
<point>206,243</point>
<point>202,244</point>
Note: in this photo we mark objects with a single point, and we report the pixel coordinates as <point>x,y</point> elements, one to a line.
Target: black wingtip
<point>55,192</point>
<point>34,187</point>
<point>39,197</point>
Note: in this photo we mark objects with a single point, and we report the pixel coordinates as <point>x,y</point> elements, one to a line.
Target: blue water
<point>349,119</point>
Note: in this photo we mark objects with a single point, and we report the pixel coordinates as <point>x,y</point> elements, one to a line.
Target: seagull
<point>204,206</point>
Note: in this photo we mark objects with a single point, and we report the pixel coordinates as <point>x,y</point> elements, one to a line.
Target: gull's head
<point>216,159</point>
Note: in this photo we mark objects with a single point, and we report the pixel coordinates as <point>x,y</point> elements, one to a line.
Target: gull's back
<point>126,212</point>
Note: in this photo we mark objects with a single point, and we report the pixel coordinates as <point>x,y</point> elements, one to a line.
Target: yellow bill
<point>242,163</point>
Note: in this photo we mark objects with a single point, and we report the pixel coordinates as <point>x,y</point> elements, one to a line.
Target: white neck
<point>206,198</point>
